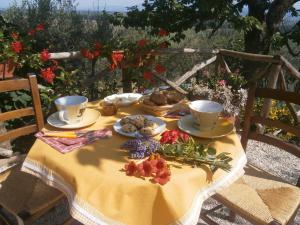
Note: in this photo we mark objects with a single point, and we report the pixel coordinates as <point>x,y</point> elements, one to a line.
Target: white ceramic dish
<point>124,99</point>
<point>161,126</point>
<point>90,116</point>
<point>222,128</point>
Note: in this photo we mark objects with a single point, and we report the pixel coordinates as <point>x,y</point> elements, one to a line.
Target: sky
<point>109,5</point>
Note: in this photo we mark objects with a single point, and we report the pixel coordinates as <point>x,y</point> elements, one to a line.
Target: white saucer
<point>161,126</point>
<point>90,116</point>
<point>222,128</point>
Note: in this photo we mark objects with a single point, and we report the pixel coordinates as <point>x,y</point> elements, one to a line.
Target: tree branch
<point>290,49</point>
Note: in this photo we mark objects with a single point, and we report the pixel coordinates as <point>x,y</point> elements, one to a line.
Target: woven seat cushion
<point>21,192</point>
<point>261,197</point>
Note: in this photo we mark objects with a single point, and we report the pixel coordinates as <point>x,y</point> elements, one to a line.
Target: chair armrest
<point>8,163</point>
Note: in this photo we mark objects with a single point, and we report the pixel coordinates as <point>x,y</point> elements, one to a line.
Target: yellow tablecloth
<point>100,193</point>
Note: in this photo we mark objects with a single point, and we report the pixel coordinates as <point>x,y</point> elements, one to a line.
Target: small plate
<point>90,116</point>
<point>222,128</point>
<point>124,99</point>
<point>161,126</point>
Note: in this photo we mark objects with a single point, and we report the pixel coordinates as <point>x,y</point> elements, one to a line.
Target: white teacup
<point>205,113</point>
<point>71,108</point>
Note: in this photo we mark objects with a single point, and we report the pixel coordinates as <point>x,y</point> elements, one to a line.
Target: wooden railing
<point>274,71</point>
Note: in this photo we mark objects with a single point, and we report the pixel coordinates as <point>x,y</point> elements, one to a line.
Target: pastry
<point>129,128</point>
<point>147,131</point>
<point>150,124</point>
<point>125,120</point>
<point>149,102</point>
<point>173,97</point>
<point>158,98</point>
<point>137,121</point>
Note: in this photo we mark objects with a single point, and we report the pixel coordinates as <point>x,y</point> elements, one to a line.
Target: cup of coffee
<point>205,114</point>
<point>71,108</point>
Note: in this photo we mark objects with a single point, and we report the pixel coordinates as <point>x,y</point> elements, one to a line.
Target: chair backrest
<point>36,110</point>
<point>251,119</point>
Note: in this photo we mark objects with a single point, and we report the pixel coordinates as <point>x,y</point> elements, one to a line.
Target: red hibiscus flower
<point>96,53</point>
<point>162,177</point>
<point>15,35</point>
<point>16,46</point>
<point>45,55</point>
<point>173,136</point>
<point>164,45</point>
<point>54,65</point>
<point>87,54</point>
<point>162,32</point>
<point>131,168</point>
<point>116,58</point>
<point>98,46</point>
<point>160,69</point>
<point>142,43</point>
<point>148,75</point>
<point>40,27</point>
<point>48,75</point>
<point>31,32</point>
<point>222,82</point>
<point>184,137</point>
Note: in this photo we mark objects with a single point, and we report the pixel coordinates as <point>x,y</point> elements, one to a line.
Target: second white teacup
<point>71,108</point>
<point>205,113</point>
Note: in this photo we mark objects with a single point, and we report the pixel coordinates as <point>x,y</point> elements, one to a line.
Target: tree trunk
<point>259,41</point>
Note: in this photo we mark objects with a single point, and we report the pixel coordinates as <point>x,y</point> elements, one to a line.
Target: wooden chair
<point>22,194</point>
<point>258,196</point>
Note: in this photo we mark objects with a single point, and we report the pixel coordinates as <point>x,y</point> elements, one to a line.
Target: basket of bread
<point>160,103</point>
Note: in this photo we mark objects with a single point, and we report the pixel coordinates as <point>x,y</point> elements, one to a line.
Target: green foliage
<point>258,26</point>
<point>196,154</point>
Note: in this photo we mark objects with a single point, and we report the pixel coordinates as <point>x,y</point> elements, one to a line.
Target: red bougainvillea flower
<point>162,32</point>
<point>145,169</point>
<point>142,43</point>
<point>31,32</point>
<point>222,82</point>
<point>173,136</point>
<point>40,27</point>
<point>15,35</point>
<point>48,75</point>
<point>154,166</point>
<point>45,55</point>
<point>160,69</point>
<point>131,168</point>
<point>162,176</point>
<point>148,75</point>
<point>98,46</point>
<point>16,46</point>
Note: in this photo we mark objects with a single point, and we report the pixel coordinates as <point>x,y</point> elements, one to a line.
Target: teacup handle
<point>61,116</point>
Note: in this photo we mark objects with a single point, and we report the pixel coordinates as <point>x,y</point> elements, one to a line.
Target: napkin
<point>67,144</point>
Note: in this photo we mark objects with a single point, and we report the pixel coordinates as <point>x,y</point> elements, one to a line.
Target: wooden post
<point>223,64</point>
<point>289,105</point>
<point>5,147</point>
<point>272,81</point>
<point>126,80</point>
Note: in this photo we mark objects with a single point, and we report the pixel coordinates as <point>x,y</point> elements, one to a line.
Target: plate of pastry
<point>160,103</point>
<point>139,125</point>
